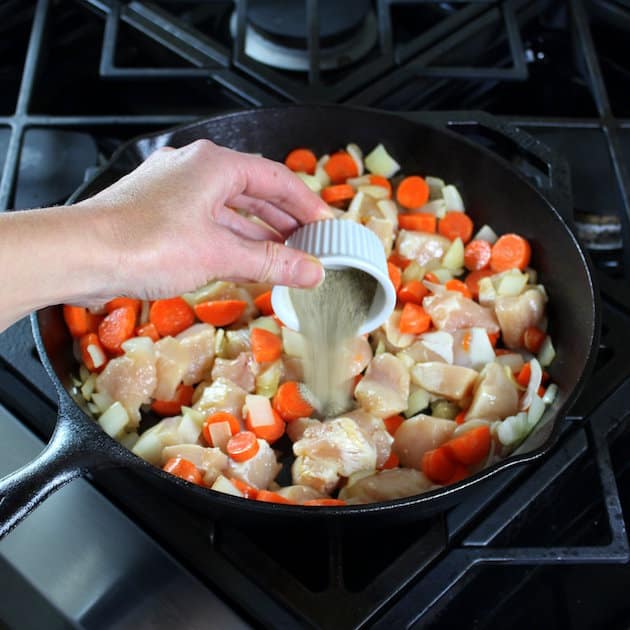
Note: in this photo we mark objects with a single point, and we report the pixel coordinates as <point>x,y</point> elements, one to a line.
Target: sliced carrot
<point>171,316</point>
<point>116,328</point>
<point>337,193</point>
<point>117,302</point>
<point>263,303</point>
<point>400,261</point>
<point>420,222</point>
<point>456,224</point>
<point>184,469</point>
<point>473,278</point>
<point>437,465</point>
<point>242,446</point>
<point>477,255</point>
<point>272,497</point>
<point>301,160</point>
<point>533,339</point>
<point>431,277</point>
<point>249,492</point>
<point>340,166</point>
<point>269,432</point>
<point>395,275</point>
<point>524,375</point>
<point>220,416</point>
<point>414,291</point>
<point>461,472</point>
<point>379,180</point>
<point>392,423</point>
<point>266,346</point>
<point>148,330</point>
<point>325,502</point>
<point>76,318</point>
<point>494,338</point>
<point>92,353</point>
<point>511,251</point>
<point>412,192</point>
<point>391,462</point>
<point>414,320</point>
<point>541,391</point>
<point>290,403</point>
<point>471,447</point>
<point>220,312</point>
<point>461,416</point>
<point>459,286</point>
<point>170,408</point>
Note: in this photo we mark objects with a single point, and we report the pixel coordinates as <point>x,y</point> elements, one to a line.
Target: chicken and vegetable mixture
<point>452,382</point>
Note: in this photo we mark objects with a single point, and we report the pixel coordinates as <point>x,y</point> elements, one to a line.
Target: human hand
<point>171,226</point>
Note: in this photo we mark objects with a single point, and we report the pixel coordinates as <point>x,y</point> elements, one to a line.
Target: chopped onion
<point>114,420</point>
<point>388,209</point>
<point>194,415</point>
<point>453,199</point>
<point>188,430</point>
<point>143,345</point>
<point>413,271</point>
<point>487,292</point>
<point>443,275</point>
<point>293,343</point>
<point>357,155</point>
<point>380,162</point>
<point>128,440</point>
<point>223,484</point>
<point>534,383</point>
<point>376,192</point>
<point>418,400</point>
<point>435,186</point>
<point>486,233</point>
<point>511,283</point>
<point>267,382</point>
<point>311,181</point>
<point>550,394</point>
<point>512,429</point>
<point>320,172</point>
<point>102,400</point>
<point>354,209</point>
<point>436,207</point>
<point>93,408</point>
<point>403,356</point>
<point>97,355</point>
<point>513,360</point>
<point>88,387</point>
<point>84,373</point>
<point>266,323</point>
<point>532,275</point>
<point>454,257</point>
<point>438,289</point>
<point>535,412</point>
<point>547,352</point>
<point>470,424</point>
<point>149,447</point>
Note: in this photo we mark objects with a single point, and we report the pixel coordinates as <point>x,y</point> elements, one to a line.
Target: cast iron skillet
<point>494,194</point>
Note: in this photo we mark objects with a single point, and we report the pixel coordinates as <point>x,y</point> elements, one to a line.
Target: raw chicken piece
<point>199,339</point>
<point>433,346</point>
<point>356,357</point>
<point>421,246</point>
<point>386,485</point>
<point>496,395</point>
<point>173,360</point>
<point>258,471</point>
<point>451,311</point>
<point>299,494</point>
<point>242,370</point>
<point>295,429</point>
<point>210,461</point>
<point>384,389</point>
<point>222,395</point>
<point>472,348</point>
<point>132,378</point>
<point>374,430</point>
<point>448,381</point>
<point>319,474</point>
<point>516,314</point>
<point>339,441</point>
<point>420,434</point>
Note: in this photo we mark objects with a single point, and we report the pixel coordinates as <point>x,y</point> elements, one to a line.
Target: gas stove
<point>540,83</point>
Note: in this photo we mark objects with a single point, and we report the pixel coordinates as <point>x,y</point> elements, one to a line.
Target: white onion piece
<point>149,447</point>
<point>357,155</point>
<point>266,323</point>
<point>453,259</point>
<point>486,233</point>
<point>219,342</point>
<point>388,209</point>
<point>550,394</point>
<point>379,162</point>
<point>532,275</point>
<point>512,429</point>
<point>487,292</point>
<point>436,207</point>
<point>84,373</point>
<point>376,192</point>
<point>435,186</point>
<point>188,430</point>
<point>443,274</point>
<point>535,380</point>
<point>93,408</point>
<point>470,424</point>
<point>223,484</point>
<point>293,343</point>
<point>438,289</point>
<point>547,352</point>
<point>454,201</point>
<point>535,412</point>
<point>128,440</point>
<point>97,355</point>
<point>88,387</point>
<point>513,360</point>
<point>102,400</point>
<point>418,400</point>
<point>311,181</point>
<point>114,420</point>
<point>320,172</point>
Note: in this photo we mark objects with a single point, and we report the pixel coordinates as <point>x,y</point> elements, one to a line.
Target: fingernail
<point>308,272</point>
<point>327,213</point>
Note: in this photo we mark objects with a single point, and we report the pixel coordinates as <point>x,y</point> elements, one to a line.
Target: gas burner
<point>276,33</point>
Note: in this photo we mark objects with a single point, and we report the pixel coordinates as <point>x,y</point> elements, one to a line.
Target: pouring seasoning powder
<point>330,316</point>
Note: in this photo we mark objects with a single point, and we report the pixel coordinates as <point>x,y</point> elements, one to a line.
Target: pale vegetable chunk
<point>448,381</point>
<point>242,370</point>
<point>387,485</point>
<point>173,361</point>
<point>396,340</point>
<point>299,494</point>
<point>496,395</point>
<point>258,471</point>
<point>211,461</point>
<point>222,395</point>
<point>199,339</point>
<point>384,229</point>
<point>384,389</point>
<point>418,435</point>
<point>421,246</point>
<point>516,314</point>
<point>380,162</point>
<point>451,311</point>
<point>472,348</point>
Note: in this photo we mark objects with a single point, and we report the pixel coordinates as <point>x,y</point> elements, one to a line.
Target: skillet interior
<point>493,194</point>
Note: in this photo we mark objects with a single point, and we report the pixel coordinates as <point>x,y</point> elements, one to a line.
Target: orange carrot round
<point>242,446</point>
<point>220,312</point>
<point>272,497</point>
<point>456,224</point>
<point>419,222</point>
<point>392,423</point>
<point>414,319</point>
<point>471,447</point>
<point>391,462</point>
<point>511,251</point>
<point>400,261</point>
<point>413,291</point>
<point>383,182</point>
<point>289,402</point>
<point>116,328</point>
<point>171,316</point>
<point>148,330</point>
<point>220,416</point>
<point>340,166</point>
<point>325,502</point>
<point>266,346</point>
<point>473,278</point>
<point>459,286</point>
<point>395,275</point>
<point>169,408</point>
<point>337,193</point>
<point>269,432</point>
<point>437,465</point>
<point>301,160</point>
<point>477,255</point>
<point>248,491</point>
<point>412,192</point>
<point>184,469</point>
<point>263,303</point>
<point>117,302</point>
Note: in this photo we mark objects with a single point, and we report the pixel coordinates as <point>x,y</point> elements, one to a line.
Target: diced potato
<point>376,192</point>
<point>128,440</point>
<point>486,233</point>
<point>188,430</point>
<point>511,283</point>
<point>114,420</point>
<point>88,387</point>
<point>454,257</point>
<point>311,181</point>
<point>223,484</point>
<point>413,271</point>
<point>418,401</point>
<point>453,199</point>
<point>487,292</point>
<point>436,207</point>
<point>380,162</point>
<point>443,275</point>
<point>357,155</point>
<point>102,400</point>
<point>435,186</point>
<point>149,447</point>
<point>293,343</point>
<point>266,323</point>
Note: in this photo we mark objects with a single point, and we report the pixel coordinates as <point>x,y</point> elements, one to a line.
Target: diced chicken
<point>384,389</point>
<point>451,311</point>
<point>448,381</point>
<point>496,395</point>
<point>295,429</point>
<point>199,339</point>
<point>339,441</point>
<point>356,356</point>
<point>173,361</point>
<point>374,430</point>
<point>131,379</point>
<point>387,485</point>
<point>242,370</point>
<point>420,434</point>
<point>222,395</point>
<point>421,246</point>
<point>258,471</point>
<point>236,342</point>
<point>516,314</point>
<point>384,229</point>
<point>299,494</point>
<point>320,474</point>
<point>210,461</point>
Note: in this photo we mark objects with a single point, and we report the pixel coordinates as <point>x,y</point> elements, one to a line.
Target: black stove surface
<point>551,535</point>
